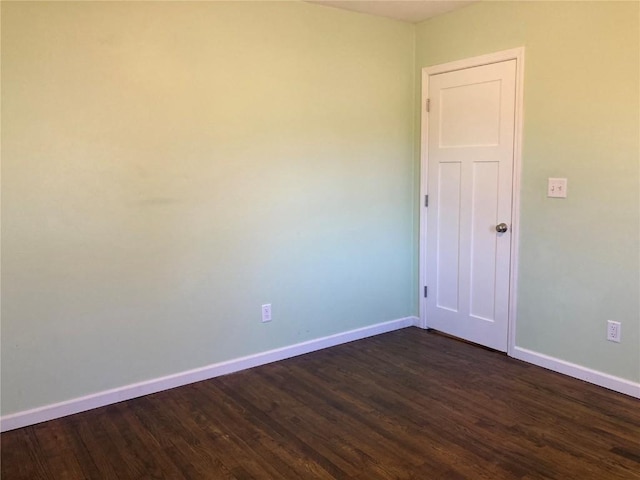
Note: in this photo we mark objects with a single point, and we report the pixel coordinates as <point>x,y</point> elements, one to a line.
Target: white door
<point>470,152</point>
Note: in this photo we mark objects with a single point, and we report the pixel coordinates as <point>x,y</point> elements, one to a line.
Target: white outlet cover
<point>614,331</point>
<point>266,312</point>
<point>557,188</point>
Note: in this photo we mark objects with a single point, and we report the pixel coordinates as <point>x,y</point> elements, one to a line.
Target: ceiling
<point>413,11</point>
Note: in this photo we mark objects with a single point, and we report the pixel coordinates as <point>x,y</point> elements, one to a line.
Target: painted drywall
<point>168,167</point>
<point>579,257</point>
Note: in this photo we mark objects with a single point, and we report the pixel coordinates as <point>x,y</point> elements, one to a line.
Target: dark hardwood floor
<point>407,404</point>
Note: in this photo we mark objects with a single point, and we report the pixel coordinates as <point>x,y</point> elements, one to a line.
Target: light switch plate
<point>557,188</point>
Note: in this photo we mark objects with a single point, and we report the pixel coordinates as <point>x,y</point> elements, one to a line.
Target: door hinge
<point>425,291</point>
<point>426,200</point>
<point>428,105</point>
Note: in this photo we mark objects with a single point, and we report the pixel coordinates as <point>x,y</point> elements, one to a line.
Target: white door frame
<point>513,54</point>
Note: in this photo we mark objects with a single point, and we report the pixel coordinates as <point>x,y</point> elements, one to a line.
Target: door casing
<point>512,54</point>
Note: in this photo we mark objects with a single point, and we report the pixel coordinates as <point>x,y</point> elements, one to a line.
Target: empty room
<point>320,239</point>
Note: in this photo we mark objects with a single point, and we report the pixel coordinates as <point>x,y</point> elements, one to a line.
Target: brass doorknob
<point>502,227</point>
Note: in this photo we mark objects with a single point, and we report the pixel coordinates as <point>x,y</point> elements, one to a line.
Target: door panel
<point>483,240</point>
<point>470,115</point>
<point>470,169</point>
<point>448,235</point>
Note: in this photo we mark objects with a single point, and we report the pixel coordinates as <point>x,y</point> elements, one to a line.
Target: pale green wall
<point>168,167</point>
<point>579,257</point>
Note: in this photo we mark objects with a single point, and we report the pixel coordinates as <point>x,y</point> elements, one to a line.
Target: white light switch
<point>557,188</point>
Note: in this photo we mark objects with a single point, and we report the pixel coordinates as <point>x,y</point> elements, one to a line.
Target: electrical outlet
<point>266,312</point>
<point>614,331</point>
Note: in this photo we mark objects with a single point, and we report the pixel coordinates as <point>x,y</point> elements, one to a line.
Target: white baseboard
<point>100,399</point>
<point>605,380</point>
